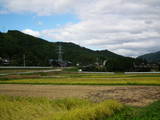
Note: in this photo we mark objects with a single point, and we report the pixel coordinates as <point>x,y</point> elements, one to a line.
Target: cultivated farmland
<point>79,96</point>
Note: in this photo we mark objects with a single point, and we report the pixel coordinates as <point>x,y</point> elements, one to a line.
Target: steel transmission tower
<point>60,58</point>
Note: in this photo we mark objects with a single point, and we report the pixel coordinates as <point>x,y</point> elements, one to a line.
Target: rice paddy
<point>65,78</point>
<point>95,96</point>
<point>21,108</point>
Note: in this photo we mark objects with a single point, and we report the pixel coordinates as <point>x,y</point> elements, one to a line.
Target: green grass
<point>151,112</point>
<point>21,108</point>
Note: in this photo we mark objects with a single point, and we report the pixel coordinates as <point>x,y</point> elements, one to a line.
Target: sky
<point>126,27</point>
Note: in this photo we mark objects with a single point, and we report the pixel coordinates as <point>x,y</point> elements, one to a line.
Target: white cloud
<point>40,7</point>
<point>127,27</point>
<point>128,38</point>
<point>31,32</point>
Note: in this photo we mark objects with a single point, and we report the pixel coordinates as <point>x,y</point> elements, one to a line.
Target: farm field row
<point>85,81</point>
<point>75,78</point>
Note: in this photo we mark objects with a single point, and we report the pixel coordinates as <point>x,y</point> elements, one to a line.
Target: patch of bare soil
<point>132,95</point>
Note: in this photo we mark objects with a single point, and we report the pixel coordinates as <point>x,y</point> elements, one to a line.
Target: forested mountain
<point>15,44</point>
<point>151,57</point>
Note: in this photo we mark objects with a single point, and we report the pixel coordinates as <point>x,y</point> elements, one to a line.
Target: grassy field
<point>22,108</point>
<point>75,78</point>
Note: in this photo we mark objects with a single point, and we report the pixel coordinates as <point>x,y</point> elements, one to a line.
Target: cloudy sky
<point>126,27</point>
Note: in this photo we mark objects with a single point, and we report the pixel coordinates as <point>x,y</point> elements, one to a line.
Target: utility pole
<point>24,60</point>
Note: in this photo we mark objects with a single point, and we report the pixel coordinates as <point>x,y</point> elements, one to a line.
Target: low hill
<point>15,44</point>
<point>151,57</point>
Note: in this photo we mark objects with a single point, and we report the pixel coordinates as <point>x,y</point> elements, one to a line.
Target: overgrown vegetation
<point>21,108</point>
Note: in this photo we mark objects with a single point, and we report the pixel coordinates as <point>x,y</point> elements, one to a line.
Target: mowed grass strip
<point>87,81</point>
<point>21,108</point>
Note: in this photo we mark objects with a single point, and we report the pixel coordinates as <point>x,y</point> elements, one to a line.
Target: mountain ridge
<point>15,44</point>
<point>153,57</point>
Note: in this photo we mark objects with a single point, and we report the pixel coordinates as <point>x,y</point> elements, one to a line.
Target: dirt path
<point>18,72</point>
<point>133,95</point>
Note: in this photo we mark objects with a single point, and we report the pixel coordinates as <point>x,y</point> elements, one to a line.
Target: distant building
<point>57,63</point>
<point>146,67</point>
<point>4,61</point>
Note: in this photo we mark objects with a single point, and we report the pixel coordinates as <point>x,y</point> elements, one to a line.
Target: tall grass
<point>93,112</point>
<point>21,108</point>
